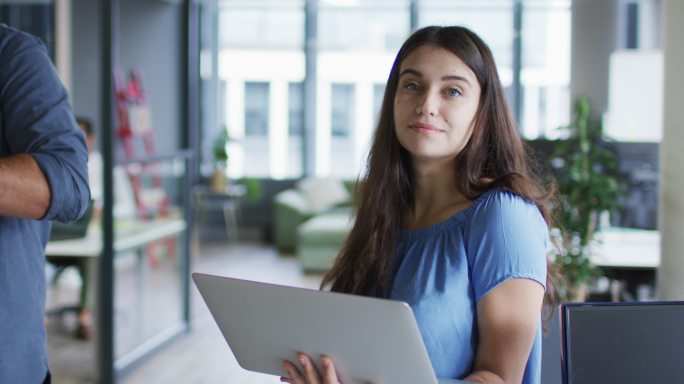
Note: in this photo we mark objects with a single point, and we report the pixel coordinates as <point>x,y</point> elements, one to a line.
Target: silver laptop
<point>369,340</point>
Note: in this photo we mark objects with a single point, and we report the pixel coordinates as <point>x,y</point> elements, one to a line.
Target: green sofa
<point>313,230</point>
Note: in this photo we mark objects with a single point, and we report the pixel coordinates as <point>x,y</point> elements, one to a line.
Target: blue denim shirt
<point>35,119</point>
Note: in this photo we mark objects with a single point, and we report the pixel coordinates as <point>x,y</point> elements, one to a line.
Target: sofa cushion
<point>320,240</point>
<point>295,200</point>
<point>323,193</point>
<point>329,228</point>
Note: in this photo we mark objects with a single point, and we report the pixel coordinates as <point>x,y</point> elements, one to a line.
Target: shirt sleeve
<point>507,239</point>
<point>37,120</point>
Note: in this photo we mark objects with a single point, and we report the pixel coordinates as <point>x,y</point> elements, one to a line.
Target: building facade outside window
<point>357,43</point>
<point>262,64</point>
<point>342,121</point>
<point>295,101</point>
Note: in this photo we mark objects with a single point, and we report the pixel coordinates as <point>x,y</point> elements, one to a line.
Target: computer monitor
<point>636,342</point>
<point>637,167</point>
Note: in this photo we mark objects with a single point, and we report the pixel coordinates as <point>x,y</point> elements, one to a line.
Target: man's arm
<point>43,156</point>
<point>24,191</point>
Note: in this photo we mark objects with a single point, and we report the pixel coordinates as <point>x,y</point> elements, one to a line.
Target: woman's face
<point>435,104</point>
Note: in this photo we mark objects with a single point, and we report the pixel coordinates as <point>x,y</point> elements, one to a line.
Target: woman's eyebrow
<point>457,78</point>
<point>409,71</point>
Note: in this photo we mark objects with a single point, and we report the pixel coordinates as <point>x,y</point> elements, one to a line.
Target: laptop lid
<point>369,339</point>
<point>637,342</point>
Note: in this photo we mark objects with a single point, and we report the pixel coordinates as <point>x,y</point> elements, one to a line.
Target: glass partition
<point>149,228</point>
<point>151,179</point>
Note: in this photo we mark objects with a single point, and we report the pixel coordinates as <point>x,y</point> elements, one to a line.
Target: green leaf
<point>588,184</point>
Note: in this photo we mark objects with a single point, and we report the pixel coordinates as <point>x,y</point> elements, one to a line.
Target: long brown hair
<point>494,157</point>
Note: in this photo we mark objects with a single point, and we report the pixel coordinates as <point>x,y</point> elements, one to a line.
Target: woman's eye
<point>453,92</point>
<point>411,86</point>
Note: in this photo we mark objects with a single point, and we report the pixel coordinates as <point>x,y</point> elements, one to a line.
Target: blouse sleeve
<point>507,238</point>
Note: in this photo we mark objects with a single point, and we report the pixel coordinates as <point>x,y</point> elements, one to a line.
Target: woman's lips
<point>424,128</point>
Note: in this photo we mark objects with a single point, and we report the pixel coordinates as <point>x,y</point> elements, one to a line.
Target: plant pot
<point>219,181</point>
<point>578,293</point>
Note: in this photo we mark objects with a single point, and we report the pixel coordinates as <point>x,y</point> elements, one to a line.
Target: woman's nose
<point>428,106</point>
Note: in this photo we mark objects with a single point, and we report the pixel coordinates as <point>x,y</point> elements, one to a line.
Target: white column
<point>277,135</point>
<point>671,207</point>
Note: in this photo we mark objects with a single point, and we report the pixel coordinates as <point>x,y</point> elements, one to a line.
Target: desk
<point>228,200</point>
<point>627,248</point>
<point>129,235</point>
<point>629,257</point>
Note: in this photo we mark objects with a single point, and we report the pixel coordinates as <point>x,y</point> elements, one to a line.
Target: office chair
<point>74,230</point>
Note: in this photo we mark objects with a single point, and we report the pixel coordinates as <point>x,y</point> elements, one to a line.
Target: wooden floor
<point>201,356</point>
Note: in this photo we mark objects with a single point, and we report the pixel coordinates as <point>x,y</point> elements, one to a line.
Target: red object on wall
<point>135,129</point>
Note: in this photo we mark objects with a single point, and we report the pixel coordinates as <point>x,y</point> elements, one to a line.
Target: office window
<point>295,102</point>
<point>342,121</point>
<point>261,24</point>
<point>545,76</point>
<point>342,111</point>
<point>261,61</point>
<point>295,129</point>
<point>369,25</point>
<point>262,65</point>
<point>545,73</point>
<point>357,45</point>
<point>255,146</point>
<point>378,95</point>
<point>256,109</point>
<point>492,20</point>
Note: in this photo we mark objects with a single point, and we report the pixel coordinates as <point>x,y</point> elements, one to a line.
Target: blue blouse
<point>443,270</point>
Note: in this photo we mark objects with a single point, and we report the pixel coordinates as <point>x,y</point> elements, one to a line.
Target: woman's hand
<point>309,374</point>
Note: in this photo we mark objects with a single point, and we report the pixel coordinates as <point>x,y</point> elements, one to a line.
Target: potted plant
<point>586,177</point>
<point>219,178</point>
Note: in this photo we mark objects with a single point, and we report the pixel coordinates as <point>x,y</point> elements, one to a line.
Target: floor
<point>202,355</point>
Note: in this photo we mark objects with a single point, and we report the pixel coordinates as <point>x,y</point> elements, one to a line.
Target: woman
<point>450,219</point>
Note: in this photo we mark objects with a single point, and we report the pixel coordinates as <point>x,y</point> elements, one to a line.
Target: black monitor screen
<point>623,343</point>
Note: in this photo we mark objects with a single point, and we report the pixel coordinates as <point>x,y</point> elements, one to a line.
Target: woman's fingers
<point>310,371</point>
<point>295,376</point>
<point>329,373</point>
